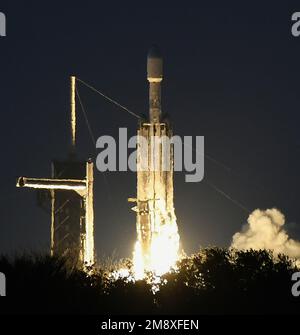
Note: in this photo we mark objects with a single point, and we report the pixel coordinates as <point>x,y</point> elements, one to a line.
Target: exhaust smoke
<point>265,230</point>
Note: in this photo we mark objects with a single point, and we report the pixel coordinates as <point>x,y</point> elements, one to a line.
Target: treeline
<point>212,281</point>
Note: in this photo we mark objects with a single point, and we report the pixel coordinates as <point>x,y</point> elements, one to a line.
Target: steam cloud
<point>264,230</point>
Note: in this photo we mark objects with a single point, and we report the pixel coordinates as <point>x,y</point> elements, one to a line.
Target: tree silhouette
<point>214,280</point>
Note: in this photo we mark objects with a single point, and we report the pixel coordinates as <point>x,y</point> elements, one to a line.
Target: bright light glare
<point>163,255</point>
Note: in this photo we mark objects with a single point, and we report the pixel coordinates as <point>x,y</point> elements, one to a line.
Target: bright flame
<point>163,254</point>
<point>164,249</point>
<point>138,262</point>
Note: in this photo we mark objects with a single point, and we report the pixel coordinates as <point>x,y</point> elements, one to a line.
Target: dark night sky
<point>230,74</point>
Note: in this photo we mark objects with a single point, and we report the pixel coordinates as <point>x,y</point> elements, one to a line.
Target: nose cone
<point>154,65</point>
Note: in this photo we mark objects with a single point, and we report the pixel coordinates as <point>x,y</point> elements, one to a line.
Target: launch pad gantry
<point>72,211</point>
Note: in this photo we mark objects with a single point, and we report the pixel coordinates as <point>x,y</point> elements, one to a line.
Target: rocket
<point>156,220</point>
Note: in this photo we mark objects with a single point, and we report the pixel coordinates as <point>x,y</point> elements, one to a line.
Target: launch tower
<point>71,194</point>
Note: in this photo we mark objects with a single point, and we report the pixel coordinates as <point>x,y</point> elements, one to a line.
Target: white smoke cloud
<point>265,230</point>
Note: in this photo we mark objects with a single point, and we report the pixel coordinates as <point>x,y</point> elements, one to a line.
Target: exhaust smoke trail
<point>265,230</point>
